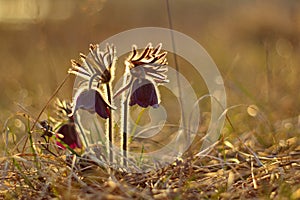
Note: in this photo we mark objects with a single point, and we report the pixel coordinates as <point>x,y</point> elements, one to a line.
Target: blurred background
<point>255,45</point>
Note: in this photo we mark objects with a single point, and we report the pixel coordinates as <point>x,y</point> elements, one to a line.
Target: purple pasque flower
<point>67,131</point>
<point>92,101</point>
<point>96,71</point>
<point>144,72</point>
<point>68,134</point>
<point>143,94</point>
<point>65,127</point>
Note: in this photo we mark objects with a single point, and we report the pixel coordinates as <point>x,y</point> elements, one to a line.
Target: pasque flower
<point>67,132</point>
<point>66,128</point>
<point>144,72</point>
<point>94,93</point>
<point>143,93</point>
<point>92,101</point>
<point>96,71</point>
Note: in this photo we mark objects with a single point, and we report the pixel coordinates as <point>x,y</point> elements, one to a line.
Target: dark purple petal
<point>92,101</point>
<point>101,107</point>
<point>70,136</point>
<point>143,93</point>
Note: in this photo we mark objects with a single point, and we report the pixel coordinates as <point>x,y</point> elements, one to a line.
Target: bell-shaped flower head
<point>96,70</point>
<point>145,72</point>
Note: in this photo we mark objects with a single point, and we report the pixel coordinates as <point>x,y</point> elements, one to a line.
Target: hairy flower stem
<point>124,122</point>
<point>124,145</point>
<point>110,125</point>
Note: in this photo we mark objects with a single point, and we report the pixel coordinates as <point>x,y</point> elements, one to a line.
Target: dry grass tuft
<point>232,170</point>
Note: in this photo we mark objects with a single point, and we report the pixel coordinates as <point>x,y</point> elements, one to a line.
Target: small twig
<point>44,108</point>
<point>71,175</point>
<point>176,64</point>
<point>252,175</point>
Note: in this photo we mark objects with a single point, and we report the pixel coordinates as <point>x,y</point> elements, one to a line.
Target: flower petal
<point>143,93</point>
<point>101,107</point>
<point>70,136</point>
<point>92,101</point>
